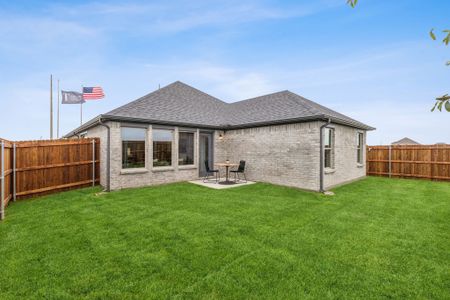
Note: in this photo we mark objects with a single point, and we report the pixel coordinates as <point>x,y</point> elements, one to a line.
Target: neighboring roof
<point>405,141</point>
<point>181,104</point>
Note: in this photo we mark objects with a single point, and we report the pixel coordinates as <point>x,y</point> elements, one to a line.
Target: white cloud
<point>162,17</point>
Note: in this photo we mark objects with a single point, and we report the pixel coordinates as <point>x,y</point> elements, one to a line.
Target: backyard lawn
<point>376,238</point>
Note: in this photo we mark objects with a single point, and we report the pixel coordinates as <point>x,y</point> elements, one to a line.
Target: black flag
<point>69,97</point>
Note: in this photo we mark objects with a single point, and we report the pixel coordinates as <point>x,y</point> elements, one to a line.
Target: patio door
<point>205,152</point>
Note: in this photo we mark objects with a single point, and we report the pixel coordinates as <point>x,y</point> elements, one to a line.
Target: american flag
<point>93,93</point>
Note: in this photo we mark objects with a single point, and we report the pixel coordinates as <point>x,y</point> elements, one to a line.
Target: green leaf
<point>352,3</point>
<point>446,40</point>
<point>443,98</point>
<point>440,105</point>
<point>447,106</point>
<point>434,107</point>
<point>432,35</point>
<point>447,63</point>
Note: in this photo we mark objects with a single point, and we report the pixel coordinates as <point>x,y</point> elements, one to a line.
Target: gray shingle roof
<point>283,106</point>
<point>179,103</point>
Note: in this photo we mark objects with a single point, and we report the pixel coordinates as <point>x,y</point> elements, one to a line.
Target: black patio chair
<point>210,172</point>
<point>240,170</point>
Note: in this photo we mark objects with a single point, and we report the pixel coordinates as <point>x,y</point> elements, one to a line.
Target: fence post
<point>390,158</point>
<point>2,205</point>
<point>14,172</point>
<point>93,162</point>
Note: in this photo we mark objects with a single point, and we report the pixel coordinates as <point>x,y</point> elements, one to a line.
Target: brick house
<point>284,138</point>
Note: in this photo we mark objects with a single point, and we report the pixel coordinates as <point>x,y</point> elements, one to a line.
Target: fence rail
<point>421,161</point>
<point>34,168</point>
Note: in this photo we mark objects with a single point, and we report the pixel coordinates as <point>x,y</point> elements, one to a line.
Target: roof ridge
<point>142,97</point>
<point>310,108</point>
<point>254,98</point>
<point>200,91</point>
<point>327,109</point>
<point>178,82</point>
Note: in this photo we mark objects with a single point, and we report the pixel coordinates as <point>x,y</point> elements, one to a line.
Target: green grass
<point>376,238</point>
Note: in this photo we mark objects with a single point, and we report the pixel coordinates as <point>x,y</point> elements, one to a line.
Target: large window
<point>186,148</point>
<point>329,148</point>
<point>360,147</point>
<point>133,147</point>
<point>162,147</point>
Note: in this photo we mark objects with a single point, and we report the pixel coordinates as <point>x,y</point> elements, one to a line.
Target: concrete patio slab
<point>213,185</point>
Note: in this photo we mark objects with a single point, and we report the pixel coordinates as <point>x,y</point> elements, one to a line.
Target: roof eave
<point>357,125</point>
<point>91,123</point>
<point>157,122</point>
<point>96,121</point>
<point>300,120</point>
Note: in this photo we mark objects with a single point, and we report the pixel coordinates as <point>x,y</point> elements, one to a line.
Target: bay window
<point>133,147</point>
<point>162,147</point>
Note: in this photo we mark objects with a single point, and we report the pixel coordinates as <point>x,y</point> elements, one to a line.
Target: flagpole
<point>57,120</point>
<point>51,106</point>
<point>81,109</point>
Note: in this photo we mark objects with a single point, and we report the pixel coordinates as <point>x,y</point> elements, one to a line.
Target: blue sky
<point>375,63</point>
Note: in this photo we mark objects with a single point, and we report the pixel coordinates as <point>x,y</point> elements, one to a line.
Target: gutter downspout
<point>108,154</point>
<point>321,189</point>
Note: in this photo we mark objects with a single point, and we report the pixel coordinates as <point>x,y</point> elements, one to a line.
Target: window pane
<point>186,148</point>
<point>360,148</point>
<point>327,158</point>
<point>133,147</point>
<point>161,135</point>
<point>328,137</point>
<point>133,134</point>
<point>162,147</point>
<point>360,139</point>
<point>329,148</point>
<point>133,154</point>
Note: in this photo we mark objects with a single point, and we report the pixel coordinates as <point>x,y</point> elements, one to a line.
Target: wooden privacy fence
<point>409,161</point>
<point>6,174</point>
<point>34,168</point>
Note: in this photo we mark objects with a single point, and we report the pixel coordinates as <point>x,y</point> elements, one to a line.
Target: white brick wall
<point>282,154</point>
<point>100,132</point>
<point>346,167</point>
